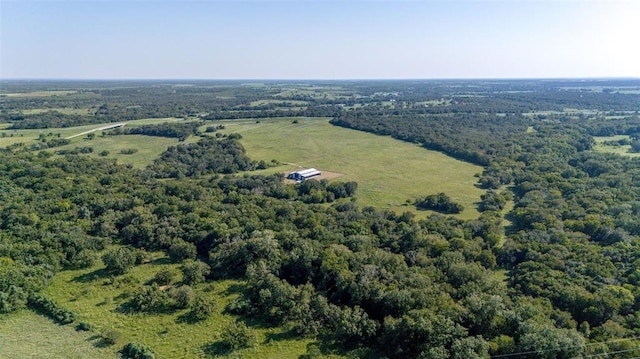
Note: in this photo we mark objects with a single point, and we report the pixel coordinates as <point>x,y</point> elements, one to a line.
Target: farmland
<point>176,234</point>
<point>389,172</point>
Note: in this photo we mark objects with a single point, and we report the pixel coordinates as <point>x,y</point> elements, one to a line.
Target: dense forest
<point>558,276</point>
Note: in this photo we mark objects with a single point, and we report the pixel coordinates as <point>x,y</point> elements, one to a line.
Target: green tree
<point>202,307</point>
<point>194,271</point>
<point>119,260</point>
<point>238,336</point>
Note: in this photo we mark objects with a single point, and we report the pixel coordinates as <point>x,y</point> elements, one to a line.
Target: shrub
<point>104,153</point>
<point>50,308</point>
<point>84,327</point>
<point>141,256</point>
<point>181,250</point>
<point>119,260</point>
<point>238,336</point>
<point>149,299</point>
<point>12,299</point>
<point>128,151</point>
<point>182,296</point>
<point>164,276</point>
<point>195,271</point>
<point>136,351</point>
<point>202,307</point>
<point>111,337</point>
<point>439,202</point>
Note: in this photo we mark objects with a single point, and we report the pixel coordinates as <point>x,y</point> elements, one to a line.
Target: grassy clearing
<point>149,148</point>
<point>388,171</point>
<point>29,136</point>
<point>66,111</point>
<point>40,93</point>
<point>622,150</point>
<point>277,102</point>
<point>88,293</point>
<point>26,334</point>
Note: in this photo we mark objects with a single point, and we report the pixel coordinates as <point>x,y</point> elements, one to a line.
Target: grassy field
<point>89,293</point>
<point>66,111</point>
<point>39,337</point>
<point>388,171</point>
<point>40,93</point>
<point>149,148</point>
<point>620,150</point>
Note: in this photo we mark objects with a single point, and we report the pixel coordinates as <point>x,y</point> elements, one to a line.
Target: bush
<point>439,202</point>
<point>149,299</point>
<point>164,276</point>
<point>195,271</point>
<point>136,351</point>
<point>202,307</point>
<point>181,250</point>
<point>141,256</point>
<point>182,296</point>
<point>111,337</point>
<point>119,260</point>
<point>84,327</point>
<point>50,308</point>
<point>12,299</point>
<point>104,153</point>
<point>238,336</point>
<point>128,151</point>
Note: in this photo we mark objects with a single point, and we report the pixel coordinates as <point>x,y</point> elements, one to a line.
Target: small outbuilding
<point>303,175</point>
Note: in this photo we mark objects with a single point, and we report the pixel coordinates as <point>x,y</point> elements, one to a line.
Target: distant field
<point>39,93</point>
<point>620,150</point>
<point>149,148</point>
<point>277,102</point>
<point>66,111</point>
<point>26,334</point>
<point>388,171</point>
<point>85,292</point>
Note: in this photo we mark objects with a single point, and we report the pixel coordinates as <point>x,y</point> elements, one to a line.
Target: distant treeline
<point>179,130</point>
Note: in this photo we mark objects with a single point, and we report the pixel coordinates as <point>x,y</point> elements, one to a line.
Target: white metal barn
<point>302,175</point>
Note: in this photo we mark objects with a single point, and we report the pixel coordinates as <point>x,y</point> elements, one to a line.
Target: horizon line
<point>326,79</point>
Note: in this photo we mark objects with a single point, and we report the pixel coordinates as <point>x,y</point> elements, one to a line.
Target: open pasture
<point>42,338</point>
<point>148,148</point>
<point>389,172</point>
<point>63,110</point>
<point>623,150</point>
<point>43,93</point>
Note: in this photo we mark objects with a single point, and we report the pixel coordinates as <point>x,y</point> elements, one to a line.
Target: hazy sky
<point>318,39</point>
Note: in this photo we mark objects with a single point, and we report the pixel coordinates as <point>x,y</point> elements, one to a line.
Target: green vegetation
<point>25,334</point>
<point>619,144</point>
<point>388,172</point>
<point>218,259</point>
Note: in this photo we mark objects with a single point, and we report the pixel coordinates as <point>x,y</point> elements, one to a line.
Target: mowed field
<point>41,338</point>
<point>389,172</point>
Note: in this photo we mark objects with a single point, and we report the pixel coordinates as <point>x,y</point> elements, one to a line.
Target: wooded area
<point>558,276</point>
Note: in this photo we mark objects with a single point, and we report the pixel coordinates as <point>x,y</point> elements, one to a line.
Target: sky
<point>318,39</point>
